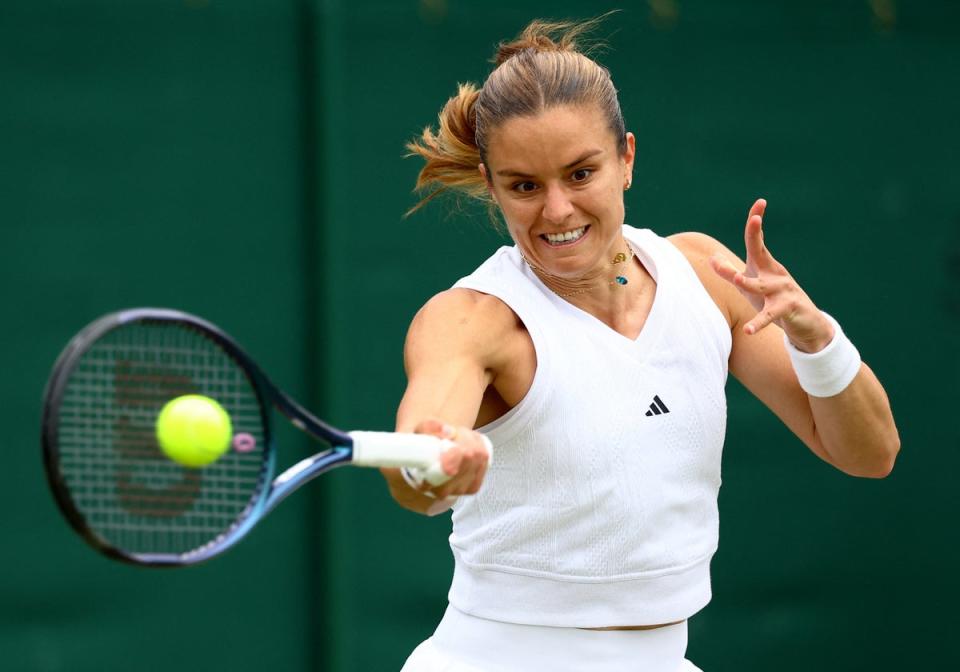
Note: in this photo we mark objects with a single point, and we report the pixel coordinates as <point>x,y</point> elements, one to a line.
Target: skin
<point>469,359</point>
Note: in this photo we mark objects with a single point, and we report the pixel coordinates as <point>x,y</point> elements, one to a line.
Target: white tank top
<point>600,506</point>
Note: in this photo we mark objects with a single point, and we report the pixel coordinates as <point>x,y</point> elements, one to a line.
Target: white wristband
<point>828,372</point>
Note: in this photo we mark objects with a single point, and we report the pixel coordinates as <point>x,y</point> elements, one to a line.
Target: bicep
<point>445,358</point>
<point>759,361</point>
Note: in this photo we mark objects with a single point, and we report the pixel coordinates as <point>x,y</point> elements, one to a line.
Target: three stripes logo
<point>657,407</point>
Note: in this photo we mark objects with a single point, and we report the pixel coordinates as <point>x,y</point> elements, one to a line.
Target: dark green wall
<point>242,160</point>
<point>151,156</point>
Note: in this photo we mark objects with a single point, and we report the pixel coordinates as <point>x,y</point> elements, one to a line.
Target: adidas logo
<point>657,407</point>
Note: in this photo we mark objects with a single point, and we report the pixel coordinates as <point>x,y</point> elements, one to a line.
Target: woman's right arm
<point>451,356</point>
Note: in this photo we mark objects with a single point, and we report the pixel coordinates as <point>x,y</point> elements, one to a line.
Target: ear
<point>486,181</point>
<point>629,154</point>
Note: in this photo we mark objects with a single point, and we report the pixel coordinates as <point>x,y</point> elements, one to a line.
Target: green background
<point>242,160</point>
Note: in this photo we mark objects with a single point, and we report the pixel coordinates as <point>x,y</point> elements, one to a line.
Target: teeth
<point>555,238</point>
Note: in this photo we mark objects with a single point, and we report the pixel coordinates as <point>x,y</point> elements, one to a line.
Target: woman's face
<point>558,180</point>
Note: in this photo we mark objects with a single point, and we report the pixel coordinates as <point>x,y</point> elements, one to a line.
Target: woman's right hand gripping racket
<point>125,497</point>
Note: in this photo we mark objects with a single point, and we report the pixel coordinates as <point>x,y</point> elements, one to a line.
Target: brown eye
<point>524,187</point>
<point>581,174</point>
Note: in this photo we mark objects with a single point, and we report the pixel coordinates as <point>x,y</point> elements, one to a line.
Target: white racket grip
<point>396,449</point>
<point>417,454</point>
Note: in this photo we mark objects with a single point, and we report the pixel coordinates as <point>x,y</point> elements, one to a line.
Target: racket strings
<point>128,492</point>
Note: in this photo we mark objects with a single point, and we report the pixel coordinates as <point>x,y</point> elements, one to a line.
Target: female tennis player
<point>594,356</point>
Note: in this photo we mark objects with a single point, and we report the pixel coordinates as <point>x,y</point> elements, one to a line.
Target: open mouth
<point>565,238</point>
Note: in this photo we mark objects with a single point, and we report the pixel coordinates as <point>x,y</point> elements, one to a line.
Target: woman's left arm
<point>852,428</point>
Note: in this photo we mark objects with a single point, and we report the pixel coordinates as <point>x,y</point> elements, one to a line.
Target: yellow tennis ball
<point>194,430</point>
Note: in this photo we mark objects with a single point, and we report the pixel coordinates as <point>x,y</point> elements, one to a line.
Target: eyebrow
<point>581,159</point>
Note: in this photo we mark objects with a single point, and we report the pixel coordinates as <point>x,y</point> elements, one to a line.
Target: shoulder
<point>461,321</point>
<point>460,307</point>
<point>698,249</point>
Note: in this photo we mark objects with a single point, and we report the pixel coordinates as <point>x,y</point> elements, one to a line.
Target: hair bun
<point>542,36</point>
<point>539,36</point>
<point>507,50</point>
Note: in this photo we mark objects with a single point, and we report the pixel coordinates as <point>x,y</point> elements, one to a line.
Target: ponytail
<point>451,154</point>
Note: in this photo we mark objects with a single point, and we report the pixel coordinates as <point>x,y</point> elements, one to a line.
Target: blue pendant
<point>621,280</point>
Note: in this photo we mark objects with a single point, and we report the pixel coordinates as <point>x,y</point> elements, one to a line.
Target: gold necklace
<point>620,263</point>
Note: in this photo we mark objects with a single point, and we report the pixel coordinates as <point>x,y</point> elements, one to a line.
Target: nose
<point>557,206</point>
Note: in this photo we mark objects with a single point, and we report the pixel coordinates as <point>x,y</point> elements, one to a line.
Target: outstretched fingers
<point>763,281</point>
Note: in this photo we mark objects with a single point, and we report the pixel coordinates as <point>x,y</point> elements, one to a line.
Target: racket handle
<point>396,449</point>
<point>419,454</point>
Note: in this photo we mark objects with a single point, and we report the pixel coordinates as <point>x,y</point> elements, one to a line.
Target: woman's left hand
<point>773,292</point>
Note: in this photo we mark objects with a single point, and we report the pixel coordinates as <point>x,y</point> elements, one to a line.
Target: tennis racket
<point>128,500</point>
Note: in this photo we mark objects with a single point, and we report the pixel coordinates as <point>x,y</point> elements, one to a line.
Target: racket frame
<point>269,492</point>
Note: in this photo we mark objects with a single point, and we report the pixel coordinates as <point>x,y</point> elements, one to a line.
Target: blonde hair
<point>541,68</point>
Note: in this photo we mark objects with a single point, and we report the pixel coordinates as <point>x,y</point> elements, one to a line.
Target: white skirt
<point>464,643</point>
